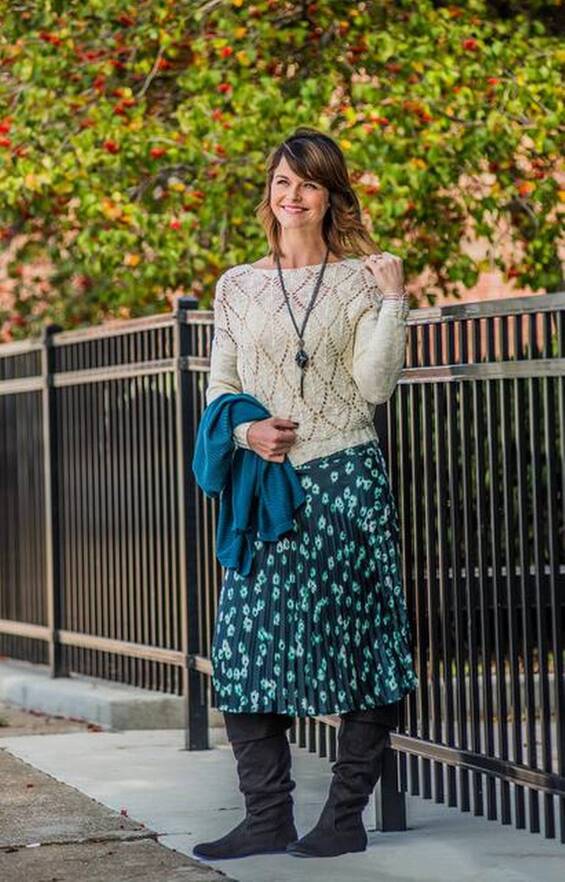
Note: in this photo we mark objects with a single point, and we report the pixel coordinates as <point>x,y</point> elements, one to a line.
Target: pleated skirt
<point>320,625</point>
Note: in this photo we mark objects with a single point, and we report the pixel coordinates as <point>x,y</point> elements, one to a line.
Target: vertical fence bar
<point>390,799</point>
<point>482,533</point>
<point>194,689</point>
<point>496,514</point>
<point>557,534</point>
<point>454,395</point>
<point>529,732</point>
<point>469,552</point>
<point>51,510</point>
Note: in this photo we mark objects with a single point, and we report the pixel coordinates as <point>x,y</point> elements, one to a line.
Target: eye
<point>307,184</point>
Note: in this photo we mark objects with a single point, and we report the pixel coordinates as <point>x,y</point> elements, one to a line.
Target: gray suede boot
<point>358,768</point>
<point>263,766</point>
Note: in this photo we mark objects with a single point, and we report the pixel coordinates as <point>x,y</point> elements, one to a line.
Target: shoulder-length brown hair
<point>316,157</point>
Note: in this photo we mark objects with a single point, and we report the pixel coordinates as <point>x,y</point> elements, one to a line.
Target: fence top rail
<point>449,311</point>
<point>20,347</point>
<point>115,327</point>
<point>489,308</point>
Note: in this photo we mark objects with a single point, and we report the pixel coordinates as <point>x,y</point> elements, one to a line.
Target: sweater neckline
<point>295,269</point>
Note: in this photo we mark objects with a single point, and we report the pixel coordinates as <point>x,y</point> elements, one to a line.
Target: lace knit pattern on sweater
<point>355,339</point>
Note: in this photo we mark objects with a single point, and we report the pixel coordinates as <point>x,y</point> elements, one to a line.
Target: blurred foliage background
<point>133,139</point>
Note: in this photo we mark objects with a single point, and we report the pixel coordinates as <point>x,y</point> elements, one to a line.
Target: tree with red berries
<point>133,138</point>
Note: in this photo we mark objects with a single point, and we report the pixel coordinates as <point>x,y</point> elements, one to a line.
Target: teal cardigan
<point>258,497</point>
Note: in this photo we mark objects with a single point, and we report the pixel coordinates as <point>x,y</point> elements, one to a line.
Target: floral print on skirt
<point>319,625</point>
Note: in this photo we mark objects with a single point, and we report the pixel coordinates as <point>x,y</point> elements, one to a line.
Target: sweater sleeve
<point>379,346</point>
<point>223,375</point>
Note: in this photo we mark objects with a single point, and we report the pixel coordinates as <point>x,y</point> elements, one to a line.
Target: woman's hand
<point>387,270</point>
<point>272,438</point>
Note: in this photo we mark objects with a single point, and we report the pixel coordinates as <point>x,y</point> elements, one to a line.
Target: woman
<point>319,626</point>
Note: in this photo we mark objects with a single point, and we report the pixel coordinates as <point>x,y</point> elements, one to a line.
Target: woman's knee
<point>253,726</point>
<point>384,715</point>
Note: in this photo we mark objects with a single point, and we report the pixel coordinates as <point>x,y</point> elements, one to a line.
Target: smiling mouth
<point>293,210</point>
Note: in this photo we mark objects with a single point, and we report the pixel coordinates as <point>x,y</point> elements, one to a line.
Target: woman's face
<point>309,199</point>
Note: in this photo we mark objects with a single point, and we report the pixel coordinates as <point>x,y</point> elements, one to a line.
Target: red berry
<point>157,152</point>
<point>175,224</point>
<point>50,38</point>
<point>470,44</point>
<point>111,146</point>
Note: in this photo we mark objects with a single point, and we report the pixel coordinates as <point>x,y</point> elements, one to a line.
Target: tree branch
<point>153,73</point>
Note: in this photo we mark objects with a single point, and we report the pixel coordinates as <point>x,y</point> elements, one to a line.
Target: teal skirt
<point>319,625</point>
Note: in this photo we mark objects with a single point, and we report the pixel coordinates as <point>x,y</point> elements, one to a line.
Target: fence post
<point>195,691</point>
<point>51,507</point>
<point>390,801</point>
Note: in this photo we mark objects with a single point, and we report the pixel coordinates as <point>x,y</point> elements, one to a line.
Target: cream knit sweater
<point>355,338</point>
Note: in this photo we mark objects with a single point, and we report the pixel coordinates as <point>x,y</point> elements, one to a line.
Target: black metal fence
<point>107,563</point>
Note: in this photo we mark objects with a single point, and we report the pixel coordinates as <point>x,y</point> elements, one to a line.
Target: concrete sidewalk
<point>190,796</point>
<point>49,831</point>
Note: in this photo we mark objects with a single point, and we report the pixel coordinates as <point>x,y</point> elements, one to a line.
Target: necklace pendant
<point>301,358</point>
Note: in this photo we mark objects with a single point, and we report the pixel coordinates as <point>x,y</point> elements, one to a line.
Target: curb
<point>110,705</point>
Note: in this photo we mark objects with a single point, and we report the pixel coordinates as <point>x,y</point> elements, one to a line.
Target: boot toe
<point>243,842</point>
<point>328,844</point>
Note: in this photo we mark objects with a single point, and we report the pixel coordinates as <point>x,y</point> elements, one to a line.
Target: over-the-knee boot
<point>340,829</point>
<point>263,766</point>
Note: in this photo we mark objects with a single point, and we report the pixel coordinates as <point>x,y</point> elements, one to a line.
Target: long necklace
<point>302,358</point>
